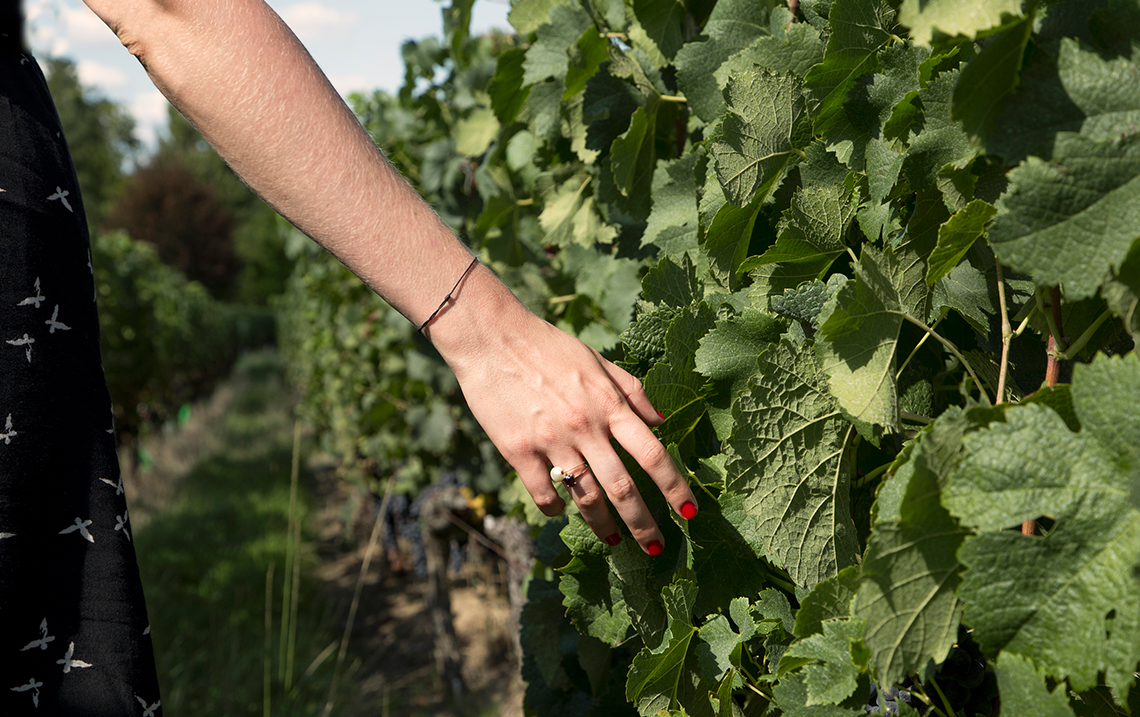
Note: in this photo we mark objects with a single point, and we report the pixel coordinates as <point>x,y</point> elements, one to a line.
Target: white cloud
<point>85,28</point>
<point>150,112</point>
<point>96,74</point>
<point>311,20</point>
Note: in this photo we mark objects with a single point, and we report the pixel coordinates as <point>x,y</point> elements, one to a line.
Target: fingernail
<point>659,413</point>
<point>654,548</point>
<point>688,510</point>
<point>613,539</point>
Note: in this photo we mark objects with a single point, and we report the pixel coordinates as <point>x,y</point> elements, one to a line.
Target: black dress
<point>74,636</point>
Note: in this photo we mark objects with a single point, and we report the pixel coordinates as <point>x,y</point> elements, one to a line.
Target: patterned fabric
<point>74,636</point>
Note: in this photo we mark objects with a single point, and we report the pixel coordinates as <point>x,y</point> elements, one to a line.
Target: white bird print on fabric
<point>69,663</point>
<point>148,711</point>
<point>35,687</point>
<point>117,486</point>
<point>41,643</point>
<point>81,526</point>
<point>61,195</point>
<point>34,300</point>
<point>8,434</point>
<point>121,524</point>
<point>53,324</point>
<point>25,341</point>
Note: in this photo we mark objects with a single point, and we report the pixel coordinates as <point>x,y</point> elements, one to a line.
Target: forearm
<point>242,78</point>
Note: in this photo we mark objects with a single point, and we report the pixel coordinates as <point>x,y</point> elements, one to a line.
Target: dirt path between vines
<point>390,654</point>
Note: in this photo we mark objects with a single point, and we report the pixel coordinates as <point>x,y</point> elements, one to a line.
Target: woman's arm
<point>241,77</point>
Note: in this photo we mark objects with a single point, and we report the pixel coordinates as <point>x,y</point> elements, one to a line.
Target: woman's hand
<point>546,399</point>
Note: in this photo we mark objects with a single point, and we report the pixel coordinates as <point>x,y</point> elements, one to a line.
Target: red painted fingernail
<point>688,511</point>
<point>613,539</point>
<point>659,413</point>
<point>654,548</point>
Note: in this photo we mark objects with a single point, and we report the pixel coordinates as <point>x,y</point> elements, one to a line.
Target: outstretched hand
<point>546,399</point>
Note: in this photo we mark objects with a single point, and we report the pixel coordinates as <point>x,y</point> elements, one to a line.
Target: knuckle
<point>622,489</point>
<point>576,420</point>
<point>654,454</point>
<point>549,504</point>
<point>591,499</point>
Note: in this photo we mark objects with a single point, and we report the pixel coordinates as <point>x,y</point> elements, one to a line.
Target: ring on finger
<point>570,476</point>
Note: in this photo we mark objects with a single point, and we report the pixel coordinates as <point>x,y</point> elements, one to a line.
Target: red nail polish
<point>654,548</point>
<point>659,413</point>
<point>613,539</point>
<point>688,510</point>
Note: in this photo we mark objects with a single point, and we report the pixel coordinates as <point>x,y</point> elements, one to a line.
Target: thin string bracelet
<point>474,261</point>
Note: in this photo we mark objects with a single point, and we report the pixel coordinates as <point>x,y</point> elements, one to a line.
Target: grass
<point>208,557</point>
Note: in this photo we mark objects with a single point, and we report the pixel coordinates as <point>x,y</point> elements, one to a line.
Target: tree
<point>100,134</point>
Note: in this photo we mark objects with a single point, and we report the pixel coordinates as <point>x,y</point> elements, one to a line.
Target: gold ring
<point>569,477</point>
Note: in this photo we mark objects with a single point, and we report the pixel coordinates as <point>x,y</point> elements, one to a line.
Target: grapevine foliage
<point>843,244</point>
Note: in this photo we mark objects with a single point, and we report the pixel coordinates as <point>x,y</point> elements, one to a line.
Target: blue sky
<point>356,43</point>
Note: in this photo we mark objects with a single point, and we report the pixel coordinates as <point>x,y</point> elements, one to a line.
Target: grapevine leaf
<point>790,460</point>
<point>1069,601</point>
<point>732,26</point>
<point>793,47</point>
<point>727,240</point>
<point>542,110</point>
<point>586,55</point>
<point>859,29</point>
<point>955,17</point>
<point>506,87</point>
<point>805,302</point>
<point>611,282</point>
<point>729,351</point>
<point>526,16</point>
<point>673,385</point>
<point>965,290</point>
<point>661,678</point>
<point>942,140</point>
<point>662,22</point>
<point>549,56</point>
<point>827,600</point>
<point>734,510</point>
<point>722,569</point>
<point>870,105</point>
<point>672,284</point>
<point>955,238</point>
<point>1023,690</point>
<point>763,134</point>
<point>1122,291</point>
<point>1067,88</point>
<point>570,216</point>
<point>1072,220</point>
<point>607,107</point>
<point>860,328</point>
<point>634,156</point>
<point>812,233</point>
<point>990,78</point>
<point>720,646</point>
<point>792,697</point>
<point>645,338</point>
<point>910,572</point>
<point>474,133</point>
<point>831,660</point>
<point>673,222</point>
<point>596,607</point>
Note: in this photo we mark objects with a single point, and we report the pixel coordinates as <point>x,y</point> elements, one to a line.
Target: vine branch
<point>954,351</point>
<point>1006,334</point>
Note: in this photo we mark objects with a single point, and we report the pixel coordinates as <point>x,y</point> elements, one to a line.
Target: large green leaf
<point>663,21</point>
<point>955,17</point>
<point>941,140</point>
<point>910,572</point>
<point>672,224</point>
<point>1066,87</point>
<point>990,77</point>
<point>811,235</point>
<point>860,328</point>
<point>955,238</point>
<point>732,26</point>
<point>1073,219</point>
<point>859,29</point>
<point>1023,689</point>
<point>527,15</point>
<point>549,55</point>
<point>831,660</point>
<point>790,461</point>
<point>1070,600</point>
<point>570,216</point>
<point>763,134</point>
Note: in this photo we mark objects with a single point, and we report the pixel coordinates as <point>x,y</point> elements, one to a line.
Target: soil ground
<point>390,650</point>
